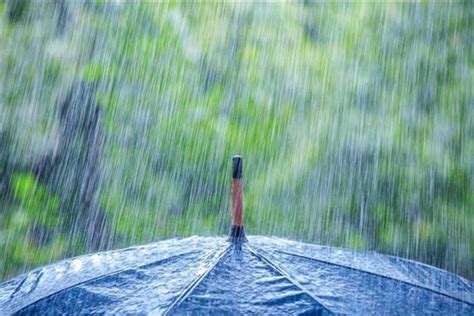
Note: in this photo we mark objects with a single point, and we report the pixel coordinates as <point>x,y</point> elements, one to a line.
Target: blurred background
<point>118,121</point>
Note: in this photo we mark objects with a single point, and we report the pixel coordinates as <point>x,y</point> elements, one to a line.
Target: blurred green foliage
<point>355,122</point>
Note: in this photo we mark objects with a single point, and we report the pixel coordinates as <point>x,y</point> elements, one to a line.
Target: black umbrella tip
<point>237,167</point>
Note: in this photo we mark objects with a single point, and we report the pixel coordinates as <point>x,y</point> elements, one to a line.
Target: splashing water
<point>118,121</point>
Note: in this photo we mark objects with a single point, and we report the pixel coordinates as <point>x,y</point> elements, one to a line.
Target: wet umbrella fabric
<point>211,275</point>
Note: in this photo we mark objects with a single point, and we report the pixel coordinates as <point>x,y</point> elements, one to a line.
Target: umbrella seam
<point>98,278</point>
<point>190,288</point>
<point>287,276</point>
<point>378,275</point>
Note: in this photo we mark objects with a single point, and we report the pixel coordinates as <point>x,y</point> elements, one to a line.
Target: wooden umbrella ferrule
<point>237,229</point>
<point>237,203</point>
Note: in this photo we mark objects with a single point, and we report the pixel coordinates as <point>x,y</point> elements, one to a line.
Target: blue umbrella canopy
<point>214,275</point>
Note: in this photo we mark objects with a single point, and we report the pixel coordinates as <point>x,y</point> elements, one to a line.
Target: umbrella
<point>237,275</point>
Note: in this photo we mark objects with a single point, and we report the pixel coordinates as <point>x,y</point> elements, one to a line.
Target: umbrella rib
<point>102,276</point>
<point>190,288</point>
<point>376,274</point>
<point>287,276</point>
